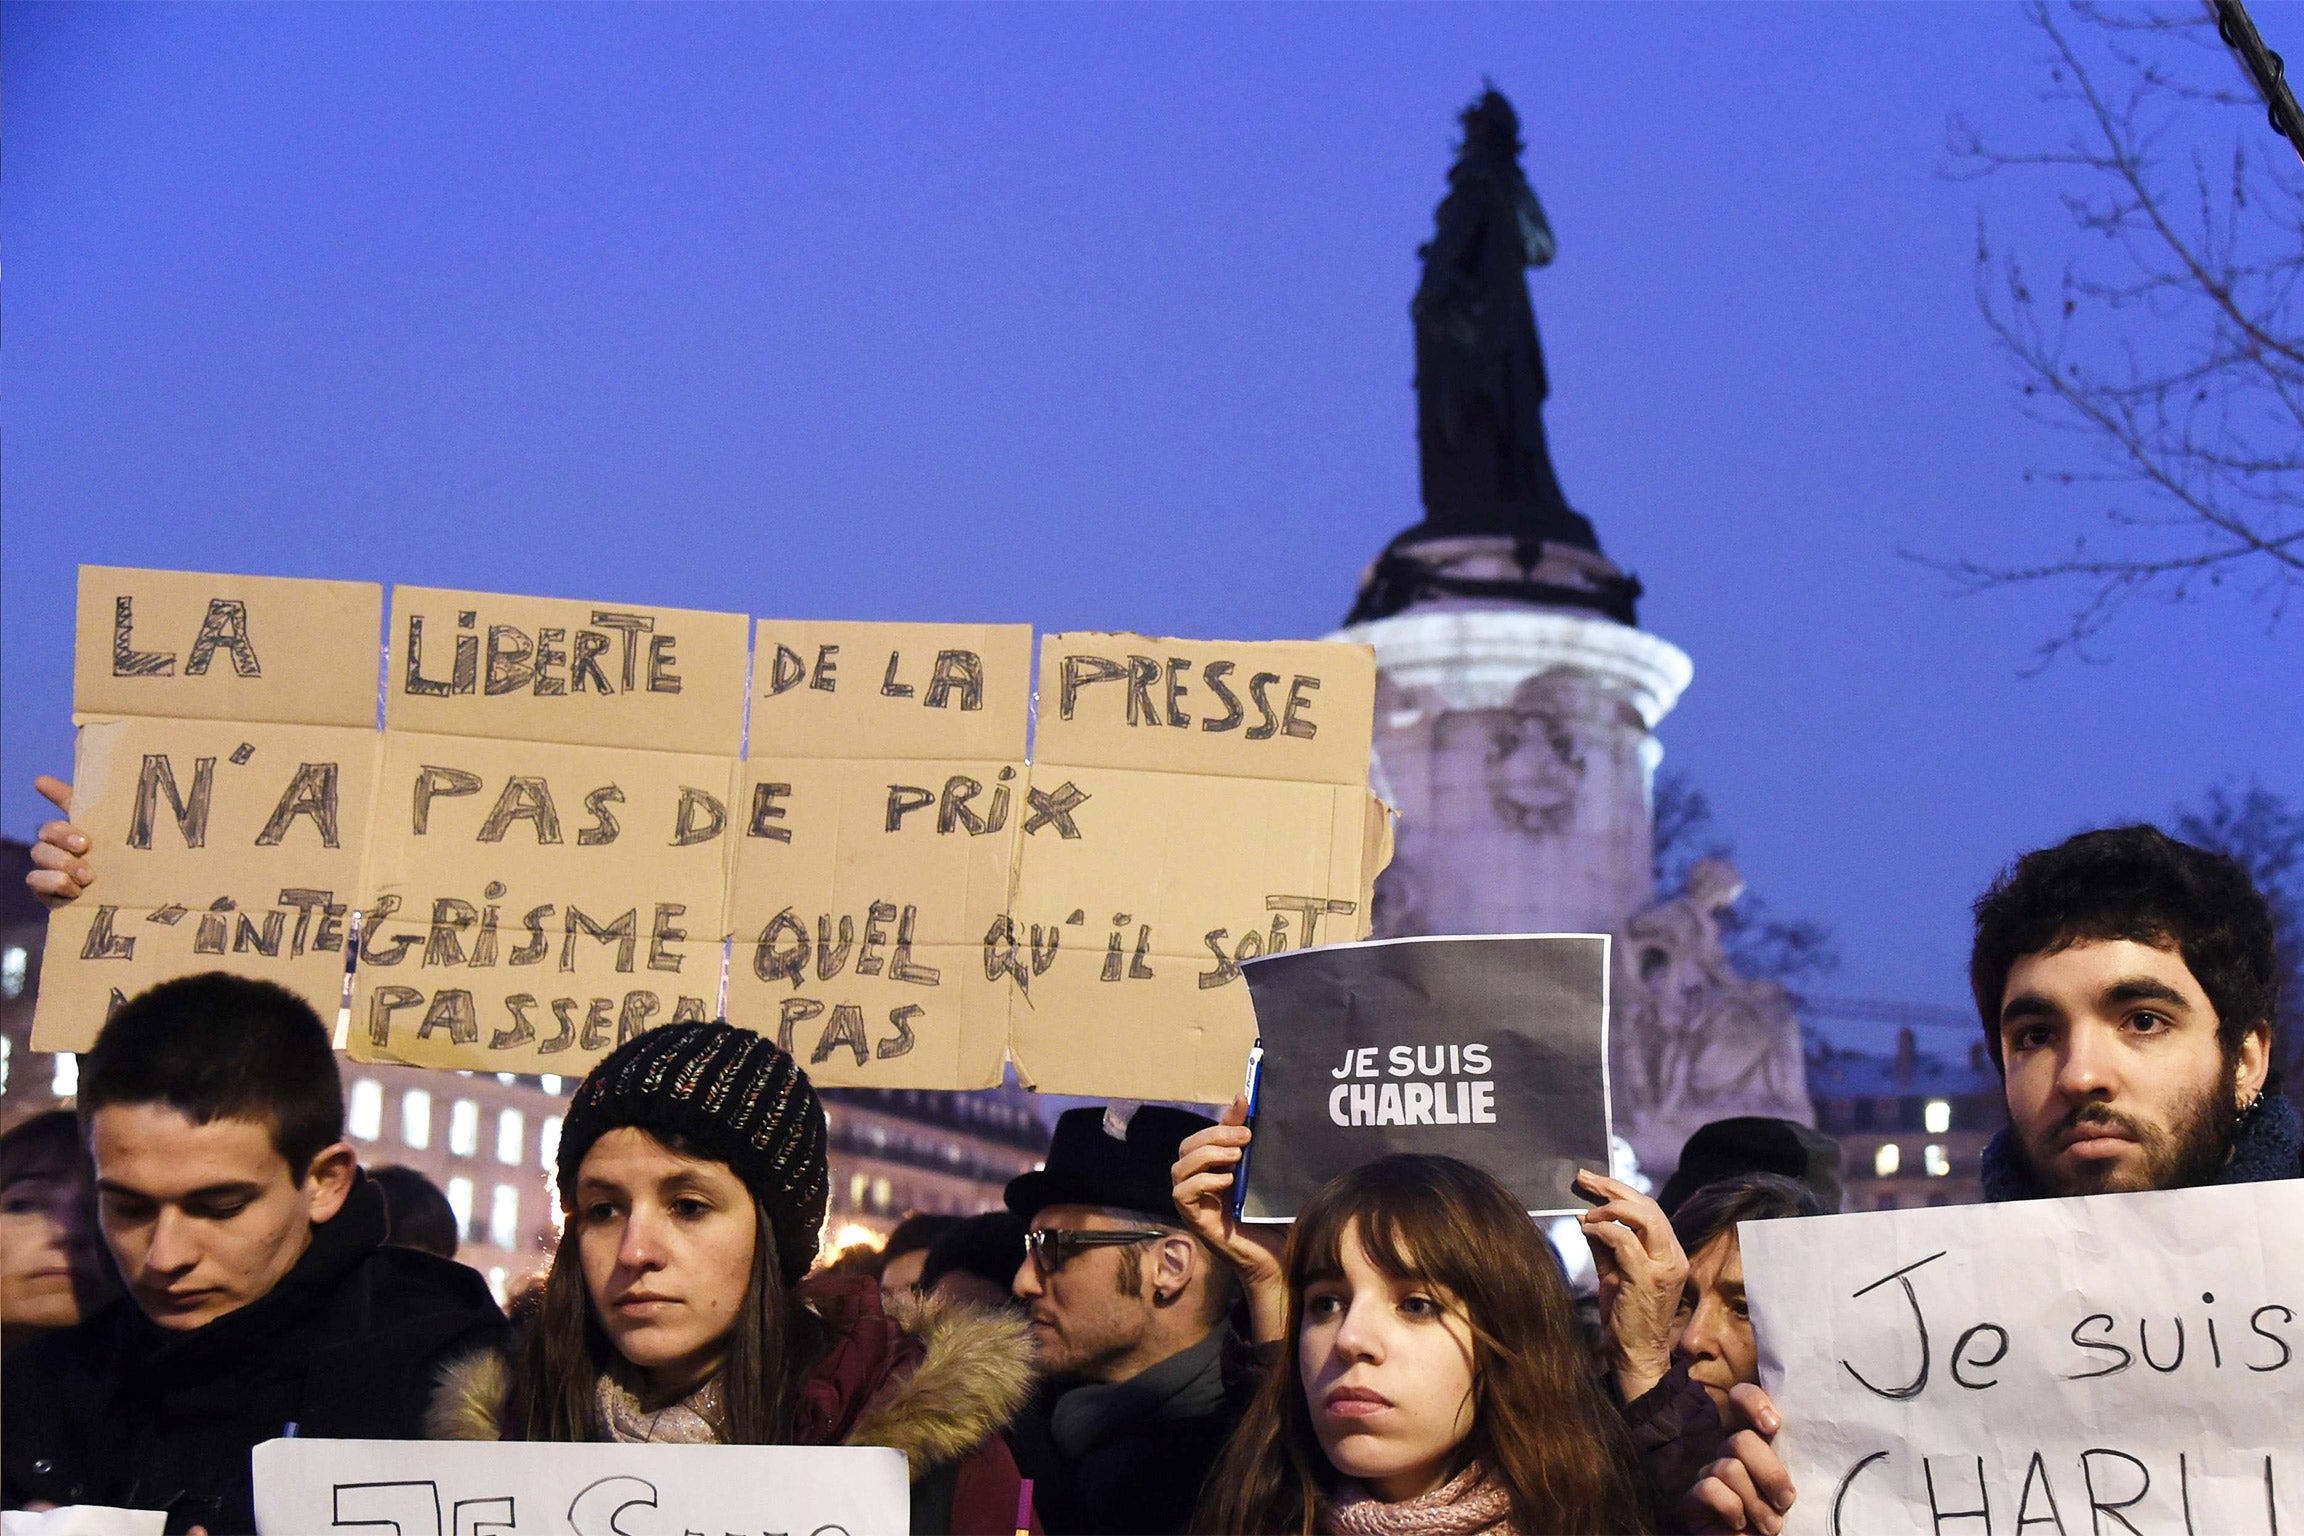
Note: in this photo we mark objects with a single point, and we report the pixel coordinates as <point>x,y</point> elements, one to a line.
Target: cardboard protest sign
<point>224,773</point>
<point>2119,1363</point>
<point>1491,1049</point>
<point>1193,804</point>
<point>183,645</point>
<point>562,821</point>
<point>551,840</point>
<point>554,669</point>
<point>882,800</point>
<point>521,1488</point>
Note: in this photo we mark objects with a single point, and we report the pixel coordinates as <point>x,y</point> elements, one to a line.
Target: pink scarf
<point>1468,1504</point>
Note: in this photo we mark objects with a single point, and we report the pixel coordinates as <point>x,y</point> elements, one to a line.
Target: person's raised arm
<point>1205,1167</point>
<point>1643,1275</point>
<point>1748,1488</point>
<point>60,870</point>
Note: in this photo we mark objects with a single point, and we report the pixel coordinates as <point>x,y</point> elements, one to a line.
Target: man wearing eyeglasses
<point>1129,1311</point>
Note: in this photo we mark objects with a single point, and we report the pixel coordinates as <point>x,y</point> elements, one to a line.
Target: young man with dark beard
<point>2127,984</point>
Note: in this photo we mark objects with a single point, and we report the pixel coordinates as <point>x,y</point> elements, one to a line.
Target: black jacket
<point>120,1411</point>
<point>1142,1473</point>
<point>1677,1433</point>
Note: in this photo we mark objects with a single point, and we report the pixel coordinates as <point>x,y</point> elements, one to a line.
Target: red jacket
<point>937,1381</point>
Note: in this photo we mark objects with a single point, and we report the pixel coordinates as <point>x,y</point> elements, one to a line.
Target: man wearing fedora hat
<point>1129,1313</point>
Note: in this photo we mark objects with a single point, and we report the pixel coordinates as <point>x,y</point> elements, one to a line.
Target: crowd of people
<point>1114,1352</point>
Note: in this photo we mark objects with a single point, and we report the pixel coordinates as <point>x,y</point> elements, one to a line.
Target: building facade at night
<point>1911,1125</point>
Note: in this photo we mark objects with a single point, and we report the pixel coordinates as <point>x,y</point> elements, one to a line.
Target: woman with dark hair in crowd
<point>52,1272</point>
<point>1714,1326</point>
<point>1429,1379</point>
<point>693,1173</point>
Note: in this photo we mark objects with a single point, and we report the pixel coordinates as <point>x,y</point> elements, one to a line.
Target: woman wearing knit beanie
<point>693,1176</point>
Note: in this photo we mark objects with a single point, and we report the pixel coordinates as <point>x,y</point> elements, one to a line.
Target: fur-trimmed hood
<point>929,1376</point>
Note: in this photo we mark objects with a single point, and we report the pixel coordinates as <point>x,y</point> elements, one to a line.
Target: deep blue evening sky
<point>1097,317</point>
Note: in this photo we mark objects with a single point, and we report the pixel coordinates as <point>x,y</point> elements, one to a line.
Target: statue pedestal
<point>1517,745</point>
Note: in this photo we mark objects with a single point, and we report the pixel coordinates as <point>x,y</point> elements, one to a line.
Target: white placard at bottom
<point>466,1488</point>
<point>2114,1365</point>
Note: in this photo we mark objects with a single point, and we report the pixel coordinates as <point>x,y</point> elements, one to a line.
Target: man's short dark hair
<point>417,1214</point>
<point>2135,883</point>
<point>221,1047</point>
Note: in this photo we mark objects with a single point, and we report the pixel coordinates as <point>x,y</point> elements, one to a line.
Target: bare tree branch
<point>2172,350</point>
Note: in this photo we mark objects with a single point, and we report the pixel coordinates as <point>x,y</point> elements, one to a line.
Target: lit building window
<point>504,1217</point>
<point>464,1128</point>
<point>511,1131</point>
<point>496,1283</point>
<point>1937,1118</point>
<point>1887,1160</point>
<point>460,1201</point>
<point>416,1119</point>
<point>1933,1159</point>
<point>859,1185</point>
<point>548,1144</point>
<point>549,1083</point>
<point>364,1117</point>
<point>7,1049</point>
<point>67,1079</point>
<point>12,962</point>
<point>506,1078</point>
<point>882,1195</point>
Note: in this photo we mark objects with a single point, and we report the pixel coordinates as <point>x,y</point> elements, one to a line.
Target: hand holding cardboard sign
<point>1642,1275</point>
<point>1747,1489</point>
<point>60,871</point>
<point>1206,1165</point>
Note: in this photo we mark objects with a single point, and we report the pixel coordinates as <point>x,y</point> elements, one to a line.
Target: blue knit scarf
<point>2269,1144</point>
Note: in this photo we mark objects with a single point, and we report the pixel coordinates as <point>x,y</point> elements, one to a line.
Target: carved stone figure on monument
<point>1531,803</point>
<point>1535,767</point>
<point>1694,1040</point>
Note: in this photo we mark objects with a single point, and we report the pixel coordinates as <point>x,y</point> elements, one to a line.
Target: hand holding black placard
<point>1204,1174</point>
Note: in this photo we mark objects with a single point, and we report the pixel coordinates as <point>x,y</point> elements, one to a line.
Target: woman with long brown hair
<point>1430,1379</point>
<point>693,1174</point>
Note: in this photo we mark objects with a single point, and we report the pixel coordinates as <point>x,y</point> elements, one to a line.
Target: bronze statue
<point>1480,391</point>
<point>1480,384</point>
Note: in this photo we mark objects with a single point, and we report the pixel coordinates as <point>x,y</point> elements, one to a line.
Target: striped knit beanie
<point>734,1094</point>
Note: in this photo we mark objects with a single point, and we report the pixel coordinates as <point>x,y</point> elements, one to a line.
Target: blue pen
<point>1254,1084</point>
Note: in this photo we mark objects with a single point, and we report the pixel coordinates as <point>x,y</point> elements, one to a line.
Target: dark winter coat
<point>1141,1471</point>
<point>1677,1433</point>
<point>928,1376</point>
<point>120,1411</point>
